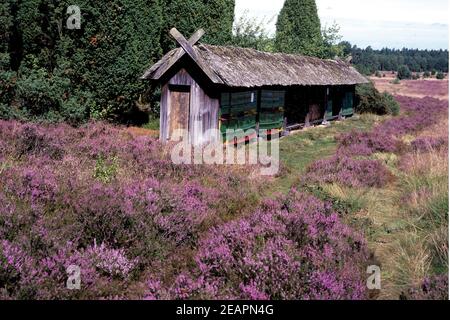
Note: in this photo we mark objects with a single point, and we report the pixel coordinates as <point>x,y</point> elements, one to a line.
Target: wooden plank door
<point>180,97</point>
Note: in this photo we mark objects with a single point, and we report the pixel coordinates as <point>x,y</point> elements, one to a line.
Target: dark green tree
<point>6,24</point>
<point>49,71</point>
<point>214,16</point>
<point>66,74</point>
<point>346,47</point>
<point>440,76</point>
<point>7,75</point>
<point>404,73</point>
<point>331,48</point>
<point>298,28</point>
<point>369,60</point>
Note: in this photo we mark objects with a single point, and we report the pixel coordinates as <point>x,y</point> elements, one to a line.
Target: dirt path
<point>143,132</point>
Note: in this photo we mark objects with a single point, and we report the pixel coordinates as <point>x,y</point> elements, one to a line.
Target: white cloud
<point>392,23</point>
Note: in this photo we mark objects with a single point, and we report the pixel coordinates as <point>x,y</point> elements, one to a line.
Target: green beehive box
<point>271,115</point>
<point>329,113</point>
<point>271,120</point>
<point>238,112</point>
<point>347,106</point>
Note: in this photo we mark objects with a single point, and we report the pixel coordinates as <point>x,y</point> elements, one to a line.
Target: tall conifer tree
<point>298,28</point>
<point>214,16</point>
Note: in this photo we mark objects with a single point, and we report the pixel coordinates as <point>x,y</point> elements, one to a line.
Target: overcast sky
<point>419,24</point>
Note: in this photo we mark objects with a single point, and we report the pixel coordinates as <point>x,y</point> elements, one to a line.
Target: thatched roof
<point>239,67</point>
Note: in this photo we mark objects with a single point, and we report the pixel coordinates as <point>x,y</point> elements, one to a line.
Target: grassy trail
<point>302,148</point>
<point>405,222</point>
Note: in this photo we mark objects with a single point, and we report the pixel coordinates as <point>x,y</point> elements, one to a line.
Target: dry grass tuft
<point>406,222</point>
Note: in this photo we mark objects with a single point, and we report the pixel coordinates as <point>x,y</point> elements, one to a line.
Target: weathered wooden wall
<point>203,114</point>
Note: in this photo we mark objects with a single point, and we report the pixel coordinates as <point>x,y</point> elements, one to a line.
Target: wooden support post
<point>285,130</point>
<point>308,120</point>
<point>325,120</point>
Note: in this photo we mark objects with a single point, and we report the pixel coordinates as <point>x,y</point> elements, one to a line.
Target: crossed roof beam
<point>187,47</point>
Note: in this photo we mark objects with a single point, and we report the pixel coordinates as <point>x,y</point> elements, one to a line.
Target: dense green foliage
<point>403,72</point>
<point>370,100</point>
<point>251,33</point>
<point>298,28</point>
<point>214,16</point>
<point>331,48</point>
<point>368,60</point>
<point>71,75</point>
<point>440,76</point>
<point>6,76</point>
<point>50,72</point>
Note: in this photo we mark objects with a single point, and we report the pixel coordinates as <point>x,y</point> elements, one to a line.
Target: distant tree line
<point>368,60</point>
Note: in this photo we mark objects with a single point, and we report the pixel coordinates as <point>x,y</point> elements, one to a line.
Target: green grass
<point>302,148</point>
<point>153,124</point>
<point>405,222</point>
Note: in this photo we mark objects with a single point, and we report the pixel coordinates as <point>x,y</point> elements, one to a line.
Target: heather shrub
<point>417,116</point>
<point>98,216</point>
<point>15,267</point>
<point>366,143</point>
<point>148,217</point>
<point>348,172</point>
<point>98,213</point>
<point>27,275</point>
<point>100,184</point>
<point>292,248</point>
<point>413,105</point>
<point>33,141</point>
<point>427,144</point>
<point>433,288</point>
<point>98,139</point>
<point>386,136</point>
<point>112,262</point>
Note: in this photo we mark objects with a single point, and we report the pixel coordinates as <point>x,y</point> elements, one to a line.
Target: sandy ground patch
<point>413,88</point>
<point>143,132</point>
